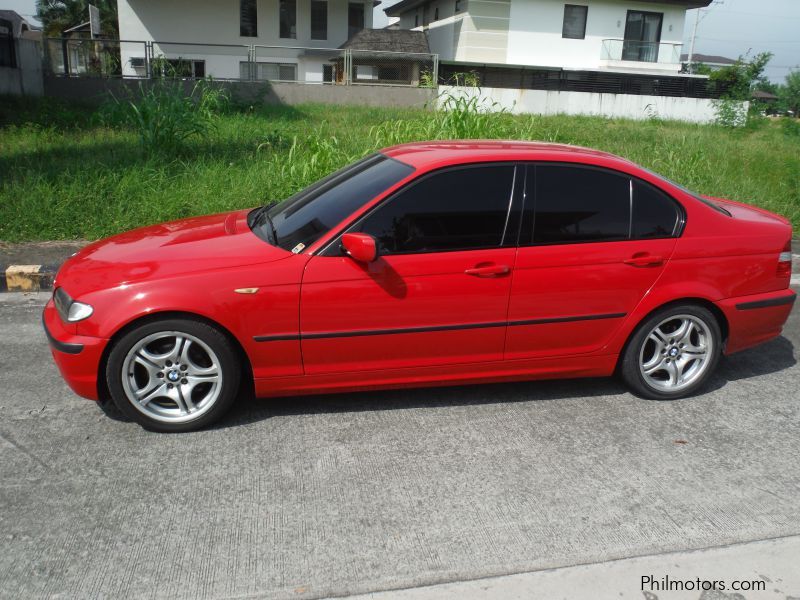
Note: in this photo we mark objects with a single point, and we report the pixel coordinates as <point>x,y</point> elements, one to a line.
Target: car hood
<point>180,247</point>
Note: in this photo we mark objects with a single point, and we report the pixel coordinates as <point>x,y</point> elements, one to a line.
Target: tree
<point>790,92</point>
<point>58,15</point>
<point>737,81</point>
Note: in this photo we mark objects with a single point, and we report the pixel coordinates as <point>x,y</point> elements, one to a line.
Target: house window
<point>355,18</point>
<point>264,71</point>
<point>287,15</point>
<point>642,36</point>
<point>327,73</point>
<point>574,22</point>
<point>458,6</point>
<point>416,20</point>
<point>319,19</point>
<point>248,18</point>
<point>436,14</point>
<point>179,67</point>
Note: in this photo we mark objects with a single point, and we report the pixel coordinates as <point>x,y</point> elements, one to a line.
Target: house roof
<point>761,95</point>
<point>82,27</point>
<point>389,40</point>
<point>18,22</point>
<point>406,5</point>
<point>709,59</point>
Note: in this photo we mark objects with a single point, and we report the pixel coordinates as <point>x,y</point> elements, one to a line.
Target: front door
<point>594,242</point>
<point>642,36</point>
<point>437,293</point>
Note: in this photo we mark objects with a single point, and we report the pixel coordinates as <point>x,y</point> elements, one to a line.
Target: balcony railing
<point>662,53</point>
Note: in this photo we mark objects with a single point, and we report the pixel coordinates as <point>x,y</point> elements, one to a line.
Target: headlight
<point>69,309</point>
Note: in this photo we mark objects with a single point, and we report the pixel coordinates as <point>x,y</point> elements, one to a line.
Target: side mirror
<point>360,246</point>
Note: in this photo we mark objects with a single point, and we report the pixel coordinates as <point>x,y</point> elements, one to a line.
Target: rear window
<point>709,203</point>
<point>694,195</point>
<point>655,214</point>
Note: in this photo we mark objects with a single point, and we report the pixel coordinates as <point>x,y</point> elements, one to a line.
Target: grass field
<point>65,176</point>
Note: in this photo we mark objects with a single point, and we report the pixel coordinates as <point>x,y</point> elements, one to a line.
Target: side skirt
<point>516,370</point>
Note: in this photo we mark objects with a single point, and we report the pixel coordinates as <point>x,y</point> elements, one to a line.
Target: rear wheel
<point>673,353</point>
<point>173,375</point>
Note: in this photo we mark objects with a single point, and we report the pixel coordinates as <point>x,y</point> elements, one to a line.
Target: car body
<point>551,282</point>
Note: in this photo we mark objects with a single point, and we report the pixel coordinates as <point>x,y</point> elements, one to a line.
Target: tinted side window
<point>459,209</point>
<point>654,214</point>
<point>575,204</point>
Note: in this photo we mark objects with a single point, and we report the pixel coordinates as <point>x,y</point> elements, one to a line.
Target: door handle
<point>489,271</point>
<point>643,259</point>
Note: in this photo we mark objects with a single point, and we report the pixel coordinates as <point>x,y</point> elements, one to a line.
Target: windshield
<point>303,218</point>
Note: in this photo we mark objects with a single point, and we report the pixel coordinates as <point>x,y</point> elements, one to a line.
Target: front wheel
<point>173,375</point>
<point>673,353</point>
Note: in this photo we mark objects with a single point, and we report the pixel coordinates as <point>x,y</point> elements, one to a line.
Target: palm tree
<point>59,15</point>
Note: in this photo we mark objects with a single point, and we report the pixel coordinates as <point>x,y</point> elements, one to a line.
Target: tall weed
<point>164,115</point>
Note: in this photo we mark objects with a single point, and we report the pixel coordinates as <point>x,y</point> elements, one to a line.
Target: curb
<point>27,278</point>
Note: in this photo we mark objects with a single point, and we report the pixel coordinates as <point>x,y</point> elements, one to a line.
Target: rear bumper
<point>77,357</point>
<point>757,318</point>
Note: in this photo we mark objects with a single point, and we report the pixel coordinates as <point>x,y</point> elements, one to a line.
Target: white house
<point>233,39</point>
<point>643,36</point>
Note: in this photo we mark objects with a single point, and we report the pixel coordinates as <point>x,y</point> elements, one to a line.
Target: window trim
<point>527,221</point>
<point>564,21</point>
<point>513,215</point>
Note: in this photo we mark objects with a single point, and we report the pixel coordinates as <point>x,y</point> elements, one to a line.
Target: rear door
<point>593,242</point>
<point>437,293</point>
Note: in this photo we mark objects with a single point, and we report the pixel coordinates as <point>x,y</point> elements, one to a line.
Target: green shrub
<point>790,127</point>
<point>164,115</point>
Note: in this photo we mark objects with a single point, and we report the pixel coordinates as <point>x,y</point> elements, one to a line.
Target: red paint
<point>525,299</point>
<point>360,246</point>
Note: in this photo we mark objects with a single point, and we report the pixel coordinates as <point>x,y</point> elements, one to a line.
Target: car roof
<point>433,154</point>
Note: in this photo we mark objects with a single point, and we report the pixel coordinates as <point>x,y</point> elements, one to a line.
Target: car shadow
<point>771,357</point>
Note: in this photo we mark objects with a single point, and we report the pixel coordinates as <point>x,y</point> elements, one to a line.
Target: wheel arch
<point>102,385</point>
<point>715,310</point>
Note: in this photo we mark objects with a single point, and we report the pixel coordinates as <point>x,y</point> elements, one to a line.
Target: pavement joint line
<point>566,567</point>
<point>27,278</point>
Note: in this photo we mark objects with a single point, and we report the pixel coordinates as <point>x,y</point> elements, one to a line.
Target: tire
<point>673,353</point>
<point>173,375</point>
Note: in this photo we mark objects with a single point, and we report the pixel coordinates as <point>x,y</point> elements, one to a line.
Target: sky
<point>727,28</point>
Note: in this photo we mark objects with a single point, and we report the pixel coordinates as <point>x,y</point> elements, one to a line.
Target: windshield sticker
<point>298,249</point>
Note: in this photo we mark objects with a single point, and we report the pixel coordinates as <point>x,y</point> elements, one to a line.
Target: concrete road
<point>324,496</point>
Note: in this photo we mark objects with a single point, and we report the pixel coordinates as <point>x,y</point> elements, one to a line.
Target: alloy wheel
<point>172,376</point>
<point>676,353</point>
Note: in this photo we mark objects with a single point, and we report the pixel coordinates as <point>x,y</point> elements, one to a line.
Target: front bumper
<point>757,318</point>
<point>77,356</point>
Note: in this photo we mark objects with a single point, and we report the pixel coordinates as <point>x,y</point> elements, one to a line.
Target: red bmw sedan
<point>424,264</point>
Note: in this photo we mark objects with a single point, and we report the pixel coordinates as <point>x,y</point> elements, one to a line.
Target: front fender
<point>273,310</point>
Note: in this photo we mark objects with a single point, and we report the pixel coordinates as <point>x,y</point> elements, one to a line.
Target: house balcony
<point>641,56</point>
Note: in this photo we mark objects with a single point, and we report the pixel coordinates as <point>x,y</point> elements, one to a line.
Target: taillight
<point>785,261</point>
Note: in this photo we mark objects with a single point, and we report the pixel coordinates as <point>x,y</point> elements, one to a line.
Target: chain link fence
<point>297,64</point>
